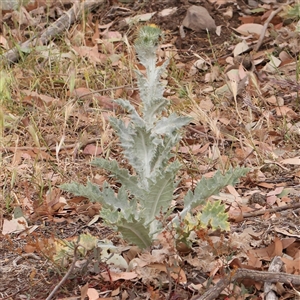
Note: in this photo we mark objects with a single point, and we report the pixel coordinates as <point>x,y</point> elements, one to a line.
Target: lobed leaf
<point>214,214</point>
<point>90,191</point>
<point>135,117</point>
<point>153,101</point>
<point>169,126</point>
<point>207,187</point>
<point>135,232</point>
<point>123,176</point>
<point>160,194</point>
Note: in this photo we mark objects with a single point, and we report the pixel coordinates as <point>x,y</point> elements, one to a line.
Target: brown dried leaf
<point>92,149</point>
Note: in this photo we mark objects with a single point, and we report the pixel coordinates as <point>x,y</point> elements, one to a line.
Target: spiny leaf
<point>135,232</point>
<point>90,191</point>
<point>207,187</point>
<point>169,125</point>
<point>148,36</point>
<point>127,180</point>
<point>146,44</point>
<point>152,97</point>
<point>113,200</point>
<point>163,155</point>
<point>160,194</point>
<point>125,133</point>
<point>213,214</point>
<point>135,117</point>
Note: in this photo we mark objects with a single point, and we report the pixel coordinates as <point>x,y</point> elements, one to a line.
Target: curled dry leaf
<point>39,100</point>
<point>198,65</point>
<point>139,18</point>
<point>114,276</point>
<point>291,161</point>
<point>92,149</point>
<point>3,42</point>
<point>91,53</point>
<point>251,28</point>
<point>92,294</point>
<point>272,66</point>
<point>167,12</point>
<point>14,225</point>
<point>240,48</point>
<point>228,14</point>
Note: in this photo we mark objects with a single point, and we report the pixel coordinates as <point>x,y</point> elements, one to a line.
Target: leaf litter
<point>245,108</point>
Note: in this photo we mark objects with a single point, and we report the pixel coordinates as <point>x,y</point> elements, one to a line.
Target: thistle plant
<point>147,142</point>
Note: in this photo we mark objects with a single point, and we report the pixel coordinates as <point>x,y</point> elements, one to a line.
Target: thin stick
<point>261,276</point>
<point>271,16</point>
<point>66,275</point>
<point>271,210</point>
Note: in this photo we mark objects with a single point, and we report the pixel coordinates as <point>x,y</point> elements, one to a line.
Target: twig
<point>25,255</point>
<point>201,133</point>
<point>271,210</point>
<point>274,277</point>
<point>66,275</point>
<point>271,16</point>
<point>59,26</point>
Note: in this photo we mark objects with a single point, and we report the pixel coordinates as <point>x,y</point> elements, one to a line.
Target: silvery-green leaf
<point>90,191</point>
<point>135,117</point>
<point>171,124</point>
<point>127,180</point>
<point>207,187</point>
<point>135,232</point>
<point>160,194</point>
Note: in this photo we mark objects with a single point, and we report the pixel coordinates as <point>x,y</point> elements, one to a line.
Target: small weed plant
<point>147,143</point>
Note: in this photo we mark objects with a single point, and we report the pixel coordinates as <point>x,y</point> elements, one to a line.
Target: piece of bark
<point>59,26</point>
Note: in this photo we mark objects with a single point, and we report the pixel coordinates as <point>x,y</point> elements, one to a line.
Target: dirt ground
<point>27,275</point>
